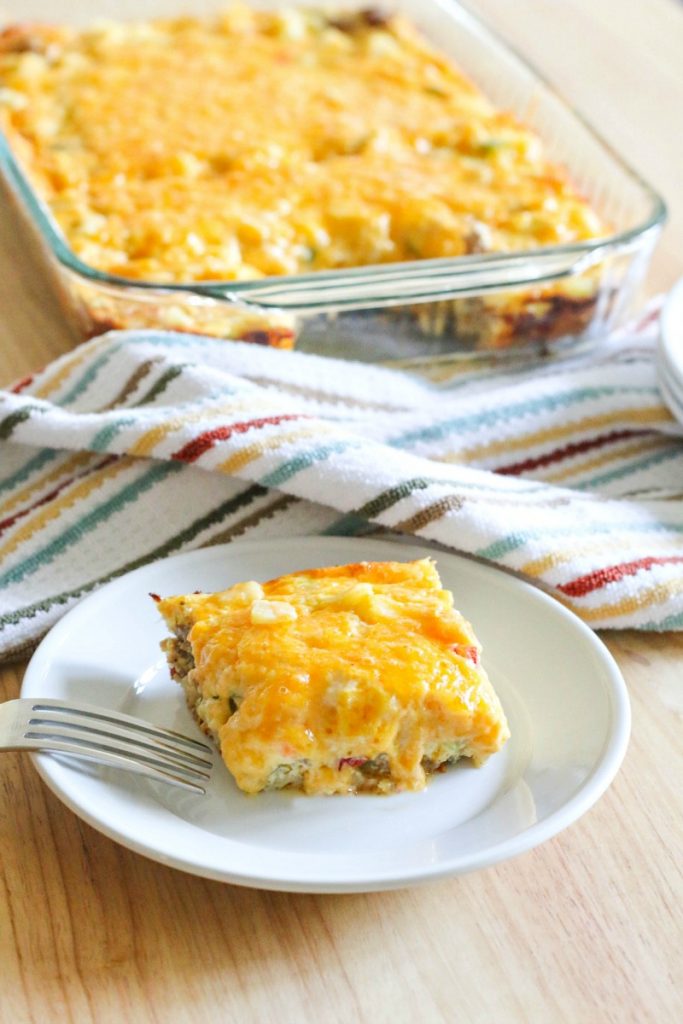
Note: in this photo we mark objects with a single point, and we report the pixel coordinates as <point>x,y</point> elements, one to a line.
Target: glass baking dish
<point>531,302</point>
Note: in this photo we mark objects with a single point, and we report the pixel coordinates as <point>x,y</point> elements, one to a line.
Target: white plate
<point>564,696</point>
<point>671,393</point>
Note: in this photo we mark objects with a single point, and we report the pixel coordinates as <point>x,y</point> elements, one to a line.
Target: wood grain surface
<point>586,929</point>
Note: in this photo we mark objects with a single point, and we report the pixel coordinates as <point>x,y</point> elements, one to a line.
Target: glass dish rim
<point>570,254</point>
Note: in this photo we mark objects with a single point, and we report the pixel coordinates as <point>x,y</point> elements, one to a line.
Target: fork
<point>107,737</point>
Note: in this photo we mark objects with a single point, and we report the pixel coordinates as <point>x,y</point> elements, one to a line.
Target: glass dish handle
<point>397,284</point>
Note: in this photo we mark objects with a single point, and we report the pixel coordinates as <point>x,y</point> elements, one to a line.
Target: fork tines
<point>111,738</point>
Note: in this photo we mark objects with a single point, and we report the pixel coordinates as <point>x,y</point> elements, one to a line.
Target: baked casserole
<point>266,143</point>
<point>339,680</point>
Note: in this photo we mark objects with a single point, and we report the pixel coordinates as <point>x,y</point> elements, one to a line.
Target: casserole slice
<point>345,679</point>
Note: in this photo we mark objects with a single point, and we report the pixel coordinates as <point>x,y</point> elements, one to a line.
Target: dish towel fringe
<point>139,445</point>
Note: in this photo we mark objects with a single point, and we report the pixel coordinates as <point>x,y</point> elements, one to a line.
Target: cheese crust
<point>346,679</point>
<point>260,143</point>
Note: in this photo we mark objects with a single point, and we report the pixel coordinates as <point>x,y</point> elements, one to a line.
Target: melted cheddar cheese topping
<point>262,143</point>
<point>336,680</point>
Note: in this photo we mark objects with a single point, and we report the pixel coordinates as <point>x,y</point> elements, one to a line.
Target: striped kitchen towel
<point>138,445</point>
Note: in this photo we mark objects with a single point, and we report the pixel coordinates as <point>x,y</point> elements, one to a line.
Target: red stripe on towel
<point>194,449</point>
<point>11,520</point>
<point>568,450</point>
<point>22,384</point>
<point>610,574</point>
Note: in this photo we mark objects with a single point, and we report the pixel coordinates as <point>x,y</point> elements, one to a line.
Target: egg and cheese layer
<point>352,678</point>
<point>258,143</point>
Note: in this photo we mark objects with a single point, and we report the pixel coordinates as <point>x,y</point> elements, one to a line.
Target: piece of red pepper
<point>468,651</point>
<point>353,762</point>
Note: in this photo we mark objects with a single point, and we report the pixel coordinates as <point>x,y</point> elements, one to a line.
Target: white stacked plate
<point>670,351</point>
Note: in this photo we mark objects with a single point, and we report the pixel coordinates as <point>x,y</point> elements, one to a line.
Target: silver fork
<point>107,737</point>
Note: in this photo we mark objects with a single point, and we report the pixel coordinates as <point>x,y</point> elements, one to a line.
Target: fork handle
<point>99,754</point>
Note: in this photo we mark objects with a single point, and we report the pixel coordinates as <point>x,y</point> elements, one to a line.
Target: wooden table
<point>586,929</point>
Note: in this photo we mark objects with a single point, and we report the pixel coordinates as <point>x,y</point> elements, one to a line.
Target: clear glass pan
<point>562,295</point>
